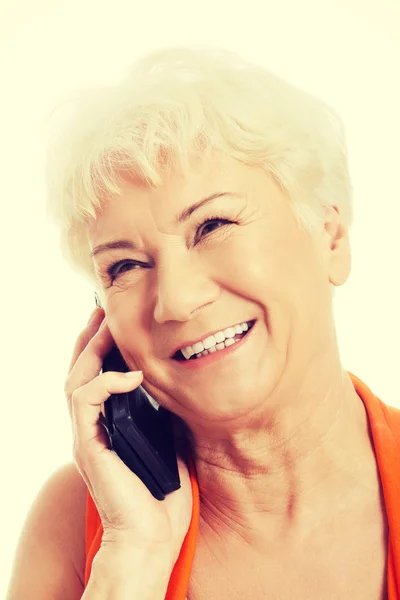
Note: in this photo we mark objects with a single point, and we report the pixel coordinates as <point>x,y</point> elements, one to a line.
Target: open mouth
<point>215,343</point>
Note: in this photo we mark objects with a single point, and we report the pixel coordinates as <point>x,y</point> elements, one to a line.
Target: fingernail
<point>133,373</point>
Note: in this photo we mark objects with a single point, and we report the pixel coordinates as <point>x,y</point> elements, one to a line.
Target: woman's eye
<point>123,266</point>
<point>210,225</point>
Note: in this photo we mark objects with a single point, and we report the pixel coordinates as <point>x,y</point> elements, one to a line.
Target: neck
<point>304,460</point>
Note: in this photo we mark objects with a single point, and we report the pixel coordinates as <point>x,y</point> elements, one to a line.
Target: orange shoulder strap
<point>384,424</point>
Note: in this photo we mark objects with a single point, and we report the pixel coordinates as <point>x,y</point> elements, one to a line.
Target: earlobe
<point>339,254</point>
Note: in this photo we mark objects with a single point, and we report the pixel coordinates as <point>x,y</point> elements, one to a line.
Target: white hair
<point>183,103</point>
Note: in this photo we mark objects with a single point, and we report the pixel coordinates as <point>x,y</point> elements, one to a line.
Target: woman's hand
<point>132,518</point>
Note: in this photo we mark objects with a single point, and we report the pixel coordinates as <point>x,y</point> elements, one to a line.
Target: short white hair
<point>183,103</point>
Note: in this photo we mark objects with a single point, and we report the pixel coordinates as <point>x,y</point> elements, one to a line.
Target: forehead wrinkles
<point>141,210</point>
<point>147,230</point>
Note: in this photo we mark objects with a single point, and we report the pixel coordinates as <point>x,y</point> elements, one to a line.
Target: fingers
<point>94,345</point>
<point>87,391</point>
<point>86,402</point>
<point>85,336</point>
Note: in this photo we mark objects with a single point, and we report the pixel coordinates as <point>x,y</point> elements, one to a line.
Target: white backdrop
<point>346,52</point>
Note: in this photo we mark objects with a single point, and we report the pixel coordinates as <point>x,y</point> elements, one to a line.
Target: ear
<point>336,247</point>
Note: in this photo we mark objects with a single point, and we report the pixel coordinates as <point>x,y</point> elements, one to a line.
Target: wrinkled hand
<point>130,515</point>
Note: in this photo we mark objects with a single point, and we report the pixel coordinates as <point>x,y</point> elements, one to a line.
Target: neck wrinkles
<point>282,477</point>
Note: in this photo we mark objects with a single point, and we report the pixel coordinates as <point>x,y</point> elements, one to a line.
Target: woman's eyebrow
<point>189,210</point>
<point>118,244</point>
<point>181,218</point>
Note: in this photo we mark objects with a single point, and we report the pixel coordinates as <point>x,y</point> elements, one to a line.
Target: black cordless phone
<point>140,434</point>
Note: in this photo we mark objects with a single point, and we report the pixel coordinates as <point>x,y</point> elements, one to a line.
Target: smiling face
<point>185,269</point>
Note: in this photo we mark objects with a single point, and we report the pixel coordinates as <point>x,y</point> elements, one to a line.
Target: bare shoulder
<point>63,498</point>
<point>50,556</point>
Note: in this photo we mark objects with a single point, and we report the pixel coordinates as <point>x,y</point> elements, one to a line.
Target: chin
<point>227,405</point>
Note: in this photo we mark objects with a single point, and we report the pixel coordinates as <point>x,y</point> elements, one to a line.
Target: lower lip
<point>204,361</point>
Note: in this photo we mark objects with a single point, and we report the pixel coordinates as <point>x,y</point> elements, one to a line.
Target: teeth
<point>187,352</point>
<point>210,341</point>
<point>229,332</point>
<point>219,337</point>
<point>198,347</point>
<point>218,341</point>
<point>228,342</point>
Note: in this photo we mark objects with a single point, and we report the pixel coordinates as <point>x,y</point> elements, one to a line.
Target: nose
<point>183,287</point>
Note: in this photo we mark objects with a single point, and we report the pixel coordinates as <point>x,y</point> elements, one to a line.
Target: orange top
<point>385,429</point>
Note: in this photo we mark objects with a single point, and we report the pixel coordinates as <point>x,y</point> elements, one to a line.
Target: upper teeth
<point>214,340</point>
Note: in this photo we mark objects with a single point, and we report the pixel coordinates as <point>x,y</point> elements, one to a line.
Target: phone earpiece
<point>97,300</point>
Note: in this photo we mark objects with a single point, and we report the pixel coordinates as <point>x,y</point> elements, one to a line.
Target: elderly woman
<point>209,204</point>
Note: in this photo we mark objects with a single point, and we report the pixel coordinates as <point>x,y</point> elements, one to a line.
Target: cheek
<point>127,325</point>
<point>260,262</point>
<point>278,271</point>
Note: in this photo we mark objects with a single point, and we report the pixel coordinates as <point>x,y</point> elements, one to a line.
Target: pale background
<point>347,52</point>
